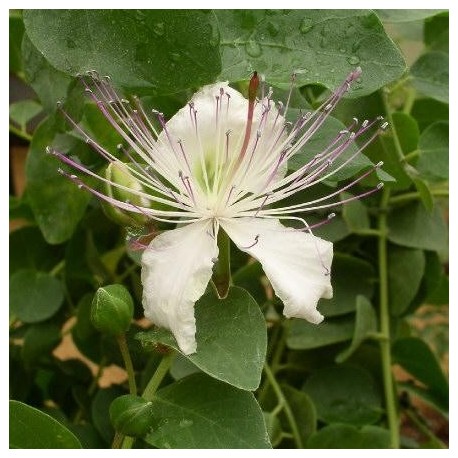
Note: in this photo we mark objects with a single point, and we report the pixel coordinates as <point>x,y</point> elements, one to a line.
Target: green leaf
<point>350,277</point>
<point>34,296</point>
<point>429,111</point>
<point>413,226</point>
<point>57,203</point>
<point>303,411</point>
<point>39,341</point>
<point>249,277</point>
<point>302,335</point>
<point>405,271</point>
<point>436,280</point>
<point>162,50</point>
<point>355,213</point>
<point>433,159</point>
<point>320,141</point>
<point>344,394</point>
<point>365,326</point>
<point>31,428</point>
<point>405,15</point>
<point>430,75</point>
<point>200,412</point>
<point>426,195</point>
<point>22,112</point>
<point>349,437</point>
<point>415,357</point>
<point>49,84</point>
<point>407,131</point>
<point>30,251</point>
<point>231,338</point>
<point>273,428</point>
<point>325,45</point>
<point>436,32</point>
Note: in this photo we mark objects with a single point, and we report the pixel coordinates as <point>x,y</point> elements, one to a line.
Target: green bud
<point>131,415</point>
<point>118,172</point>
<point>112,309</point>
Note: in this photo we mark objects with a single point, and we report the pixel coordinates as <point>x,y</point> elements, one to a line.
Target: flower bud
<point>112,309</point>
<point>118,173</point>
<point>131,415</point>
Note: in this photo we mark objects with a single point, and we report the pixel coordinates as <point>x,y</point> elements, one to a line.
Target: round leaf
<point>344,394</point>
<point>34,296</point>
<point>231,338</point>
<point>31,428</point>
<point>166,50</point>
<point>200,412</point>
<point>325,45</point>
<point>430,75</point>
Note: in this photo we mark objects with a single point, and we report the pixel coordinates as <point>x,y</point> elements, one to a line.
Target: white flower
<point>220,163</point>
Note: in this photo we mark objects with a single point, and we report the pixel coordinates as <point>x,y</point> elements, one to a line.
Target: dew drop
<point>273,29</point>
<point>306,25</point>
<point>343,50</point>
<point>71,44</point>
<point>159,29</point>
<point>175,56</point>
<point>353,60</point>
<point>253,49</point>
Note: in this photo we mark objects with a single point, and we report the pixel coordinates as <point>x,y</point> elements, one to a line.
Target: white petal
<point>296,263</point>
<point>176,269</point>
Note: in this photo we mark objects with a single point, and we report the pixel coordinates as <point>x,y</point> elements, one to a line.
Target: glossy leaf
<point>166,50</point>
<point>430,75</point>
<point>200,412</point>
<point>349,437</point>
<point>413,226</point>
<point>434,152</point>
<point>344,394</point>
<point>31,428</point>
<point>39,341</point>
<point>231,338</point>
<point>34,296</point>
<point>429,111</point>
<point>324,45</point>
<point>365,326</point>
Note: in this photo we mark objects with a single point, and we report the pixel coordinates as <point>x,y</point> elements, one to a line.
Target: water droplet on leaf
<point>159,29</point>
<point>175,56</point>
<point>353,60</point>
<point>253,49</point>
<point>306,25</point>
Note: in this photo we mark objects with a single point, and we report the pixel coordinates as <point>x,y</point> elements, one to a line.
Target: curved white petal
<point>296,263</point>
<point>176,269</point>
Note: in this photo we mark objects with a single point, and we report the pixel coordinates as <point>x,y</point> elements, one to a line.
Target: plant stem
<point>158,376</point>
<point>123,347</point>
<point>385,344</point>
<point>222,273</point>
<point>408,196</point>
<point>286,407</point>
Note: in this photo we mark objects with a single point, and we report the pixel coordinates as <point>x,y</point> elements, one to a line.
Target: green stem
<point>385,344</point>
<point>158,376</point>
<point>286,407</point>
<point>412,155</point>
<point>222,273</point>
<point>57,268</point>
<point>368,232</point>
<point>408,196</point>
<point>123,347</point>
<point>117,440</point>
<point>151,389</point>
